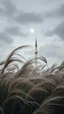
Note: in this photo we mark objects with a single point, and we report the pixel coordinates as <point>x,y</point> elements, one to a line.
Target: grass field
<point>28,90</point>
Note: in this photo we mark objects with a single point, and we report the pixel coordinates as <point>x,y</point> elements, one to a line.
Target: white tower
<point>36,52</point>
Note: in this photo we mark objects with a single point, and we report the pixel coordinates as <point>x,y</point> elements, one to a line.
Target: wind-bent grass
<point>29,90</point>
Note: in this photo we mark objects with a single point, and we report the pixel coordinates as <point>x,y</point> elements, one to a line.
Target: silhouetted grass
<point>29,90</point>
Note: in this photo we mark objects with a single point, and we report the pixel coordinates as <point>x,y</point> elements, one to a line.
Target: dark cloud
<point>28,17</point>
<point>58,13</point>
<point>15,31</point>
<point>5,38</point>
<point>7,8</point>
<point>2,12</point>
<point>51,50</point>
<point>10,11</point>
<point>59,31</point>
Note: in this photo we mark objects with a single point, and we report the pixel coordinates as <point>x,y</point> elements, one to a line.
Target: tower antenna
<point>36,52</point>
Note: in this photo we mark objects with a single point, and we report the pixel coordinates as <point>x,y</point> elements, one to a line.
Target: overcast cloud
<point>15,31</point>
<point>28,17</point>
<point>59,31</point>
<point>56,13</point>
<point>52,51</point>
<point>18,16</point>
<point>5,38</point>
<point>7,8</point>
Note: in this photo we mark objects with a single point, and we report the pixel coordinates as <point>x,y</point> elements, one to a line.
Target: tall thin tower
<point>36,52</point>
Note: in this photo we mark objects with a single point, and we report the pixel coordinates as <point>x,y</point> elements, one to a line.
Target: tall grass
<point>29,90</point>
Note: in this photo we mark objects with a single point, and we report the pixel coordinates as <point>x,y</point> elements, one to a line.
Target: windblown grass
<point>29,90</point>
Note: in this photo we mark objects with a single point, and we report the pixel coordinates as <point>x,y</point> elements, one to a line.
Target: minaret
<point>36,53</point>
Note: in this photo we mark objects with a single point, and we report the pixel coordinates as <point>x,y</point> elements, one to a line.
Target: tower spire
<point>36,42</point>
<point>36,52</point>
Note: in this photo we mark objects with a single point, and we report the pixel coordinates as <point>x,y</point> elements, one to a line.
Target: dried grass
<point>29,90</point>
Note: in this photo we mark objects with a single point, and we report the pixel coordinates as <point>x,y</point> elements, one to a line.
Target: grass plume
<point>29,90</point>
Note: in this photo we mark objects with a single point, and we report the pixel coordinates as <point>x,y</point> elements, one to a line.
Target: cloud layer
<point>5,38</point>
<point>16,19</point>
<point>52,50</point>
<point>7,9</point>
<point>56,13</point>
<point>28,17</point>
<point>59,31</point>
<point>15,31</point>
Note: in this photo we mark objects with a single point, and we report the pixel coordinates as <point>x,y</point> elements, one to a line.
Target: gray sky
<point>46,17</point>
